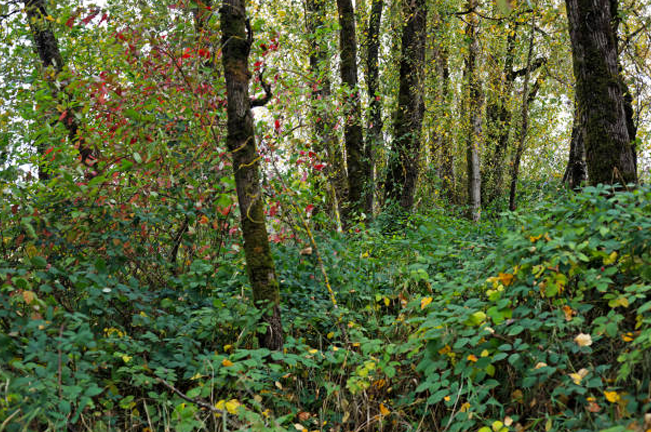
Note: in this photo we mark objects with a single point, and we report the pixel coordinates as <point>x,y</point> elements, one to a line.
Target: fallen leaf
<point>583,339</point>
<point>384,410</point>
<point>612,396</point>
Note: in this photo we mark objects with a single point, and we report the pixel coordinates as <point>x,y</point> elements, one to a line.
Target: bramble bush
<point>537,320</point>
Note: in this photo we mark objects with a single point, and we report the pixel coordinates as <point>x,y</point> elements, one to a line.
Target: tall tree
<point>326,141</point>
<point>524,117</point>
<point>576,171</point>
<point>404,159</point>
<point>473,113</point>
<point>46,46</point>
<point>374,134</point>
<point>237,38</point>
<point>609,153</point>
<point>353,133</point>
<point>441,142</point>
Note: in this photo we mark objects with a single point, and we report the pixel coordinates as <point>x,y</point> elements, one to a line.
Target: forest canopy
<point>325,215</point>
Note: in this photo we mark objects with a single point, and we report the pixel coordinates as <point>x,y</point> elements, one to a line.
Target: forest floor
<point>535,320</point>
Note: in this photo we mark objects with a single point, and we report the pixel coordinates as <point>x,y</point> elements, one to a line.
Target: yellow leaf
<point>387,302</point>
<point>446,349</point>
<point>612,396</point>
<point>464,407</point>
<point>485,353</point>
<point>583,339</point>
<point>610,259</point>
<point>49,18</point>
<point>384,410</point>
<point>228,347</point>
<point>568,313</point>
<point>447,398</point>
<point>232,406</point>
<point>227,363</point>
<point>313,351</point>
<point>425,301</point>
<point>577,377</point>
<point>540,365</point>
<point>330,335</point>
<point>472,358</point>
<point>628,337</point>
<point>28,296</point>
<point>126,358</point>
<point>533,239</point>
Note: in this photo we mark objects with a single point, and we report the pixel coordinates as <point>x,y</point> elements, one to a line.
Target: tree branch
<point>267,92</point>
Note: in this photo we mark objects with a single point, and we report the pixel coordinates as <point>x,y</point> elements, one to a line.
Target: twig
<point>185,397</point>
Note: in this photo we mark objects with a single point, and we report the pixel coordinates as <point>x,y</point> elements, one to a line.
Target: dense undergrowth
<point>537,320</point>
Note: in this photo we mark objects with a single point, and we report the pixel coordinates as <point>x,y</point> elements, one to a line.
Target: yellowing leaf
<point>384,410</point>
<point>28,296</point>
<point>583,339</point>
<point>578,376</point>
<point>313,351</point>
<point>485,353</point>
<point>227,363</point>
<point>232,406</point>
<point>610,259</point>
<point>464,407</point>
<point>472,358</point>
<point>425,301</point>
<point>612,396</point>
<point>628,337</point>
<point>126,358</point>
<point>330,335</point>
<point>540,365</point>
<point>568,313</point>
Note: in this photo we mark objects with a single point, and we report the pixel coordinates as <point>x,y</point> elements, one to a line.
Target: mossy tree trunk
<point>576,171</point>
<point>236,43</point>
<point>46,46</point>
<point>374,134</point>
<point>353,133</point>
<point>609,153</point>
<point>404,158</point>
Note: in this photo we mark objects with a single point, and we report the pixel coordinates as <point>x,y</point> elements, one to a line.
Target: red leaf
<point>319,167</point>
<point>71,21</point>
<point>90,17</point>
<point>309,208</point>
<point>48,151</point>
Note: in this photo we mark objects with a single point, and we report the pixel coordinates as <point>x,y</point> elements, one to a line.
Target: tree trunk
<point>374,134</point>
<point>404,158</point>
<point>441,141</point>
<point>473,107</point>
<point>498,116</point>
<point>47,48</point>
<point>353,134</point>
<point>610,156</point>
<point>576,172</point>
<point>326,142</point>
<point>515,169</point>
<point>236,43</point>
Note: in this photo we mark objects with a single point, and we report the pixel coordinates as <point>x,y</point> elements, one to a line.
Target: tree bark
<point>404,158</point>
<point>441,141</point>
<point>610,156</point>
<point>353,134</point>
<point>236,43</point>
<point>473,107</point>
<point>46,46</point>
<point>498,116</point>
<point>576,171</point>
<point>326,141</point>
<point>515,169</point>
<point>374,134</point>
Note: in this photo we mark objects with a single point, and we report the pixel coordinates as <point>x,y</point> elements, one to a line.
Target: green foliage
<point>539,319</point>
